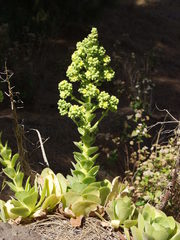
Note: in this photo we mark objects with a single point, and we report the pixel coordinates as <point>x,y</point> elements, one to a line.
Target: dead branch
<point>18,129</point>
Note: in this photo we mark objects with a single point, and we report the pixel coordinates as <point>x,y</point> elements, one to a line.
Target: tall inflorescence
<point>81,97</point>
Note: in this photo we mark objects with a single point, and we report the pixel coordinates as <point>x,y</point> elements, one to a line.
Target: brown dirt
<point>58,228</point>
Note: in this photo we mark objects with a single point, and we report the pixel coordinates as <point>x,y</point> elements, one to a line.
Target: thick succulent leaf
<point>176,236</point>
<point>20,196</point>
<point>71,197</point>
<point>6,153</point>
<point>43,193</point>
<point>166,222</point>
<point>88,139</point>
<point>79,174</point>
<point>50,202</point>
<point>93,159</point>
<point>14,160</point>
<point>89,180</point>
<point>91,189</point>
<point>87,164</point>
<point>78,187</point>
<point>136,233</point>
<point>147,236</point>
<point>127,234</point>
<point>19,179</point>
<point>104,191</point>
<point>123,208</point>
<point>62,182</point>
<point>111,210</point>
<point>93,171</point>
<point>53,186</point>
<point>148,213</point>
<point>31,200</point>
<point>46,172</point>
<point>84,207</point>
<point>79,145</point>
<point>92,150</point>
<point>81,131</point>
<point>92,197</point>
<point>12,186</point>
<point>95,184</point>
<point>130,223</point>
<point>10,172</point>
<point>141,223</point>
<point>115,190</point>
<point>156,231</point>
<point>16,203</point>
<point>3,162</point>
<point>3,215</point>
<point>7,209</point>
<point>27,185</point>
<point>21,211</point>
<point>71,180</point>
<point>79,156</point>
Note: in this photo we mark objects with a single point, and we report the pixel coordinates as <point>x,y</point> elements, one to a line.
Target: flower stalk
<point>90,67</point>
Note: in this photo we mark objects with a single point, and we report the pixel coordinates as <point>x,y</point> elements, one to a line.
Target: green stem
<point>77,100</point>
<point>101,118</point>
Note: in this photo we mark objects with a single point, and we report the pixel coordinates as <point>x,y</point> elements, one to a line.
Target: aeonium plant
<point>89,69</point>
<point>81,99</point>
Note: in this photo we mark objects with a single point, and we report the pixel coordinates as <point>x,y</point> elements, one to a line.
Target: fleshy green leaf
<point>79,145</point>
<point>104,191</point>
<point>79,174</point>
<point>62,182</point>
<point>2,211</point>
<point>50,202</point>
<point>81,131</point>
<point>115,189</point>
<point>21,211</point>
<point>14,160</point>
<point>19,179</point>
<point>123,208</point>
<point>136,233</point>
<point>93,171</point>
<point>27,186</point>
<point>79,156</point>
<point>89,180</point>
<point>10,172</point>
<point>93,159</point>
<point>83,207</point>
<point>176,236</point>
<point>92,197</point>
<point>92,150</point>
<point>72,197</point>
<point>87,164</point>
<point>31,201</point>
<point>130,223</point>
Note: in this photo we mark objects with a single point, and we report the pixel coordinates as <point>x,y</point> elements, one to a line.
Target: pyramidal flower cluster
<point>81,97</point>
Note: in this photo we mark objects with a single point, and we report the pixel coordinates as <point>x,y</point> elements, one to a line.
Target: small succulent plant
<point>155,225</point>
<point>122,212</point>
<point>29,201</point>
